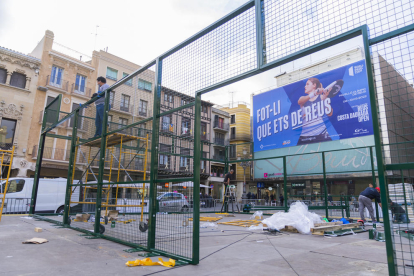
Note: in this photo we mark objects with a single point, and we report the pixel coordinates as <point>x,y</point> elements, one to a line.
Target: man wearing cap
<point>365,200</point>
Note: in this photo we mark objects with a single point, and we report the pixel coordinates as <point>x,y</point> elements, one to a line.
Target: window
<point>122,122</point>
<point>71,122</point>
<point>185,126</point>
<point>164,161</point>
<point>166,124</point>
<point>232,119</point>
<point>80,84</point>
<point>204,108</point>
<point>184,161</point>
<point>111,98</point>
<point>168,98</point>
<point>56,76</point>
<point>3,75</point>
<point>184,102</point>
<point>111,74</point>
<point>110,124</point>
<point>203,131</point>
<point>141,129</point>
<point>18,80</point>
<point>232,151</point>
<point>144,85</point>
<point>221,122</point>
<point>7,130</point>
<point>203,162</point>
<point>129,82</point>
<point>142,108</point>
<point>15,186</point>
<point>125,102</point>
<point>233,133</point>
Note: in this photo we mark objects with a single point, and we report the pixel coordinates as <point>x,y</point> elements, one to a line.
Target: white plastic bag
<point>258,227</point>
<point>208,224</point>
<point>257,215</point>
<point>298,217</point>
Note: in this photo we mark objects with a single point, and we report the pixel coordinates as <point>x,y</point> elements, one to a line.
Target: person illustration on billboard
<point>313,129</point>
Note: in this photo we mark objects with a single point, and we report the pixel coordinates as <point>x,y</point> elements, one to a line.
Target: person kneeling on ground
<point>365,200</point>
<point>398,213</point>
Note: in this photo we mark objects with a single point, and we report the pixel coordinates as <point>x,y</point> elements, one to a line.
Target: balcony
<point>52,154</point>
<point>205,137</point>
<point>218,157</point>
<point>222,127</point>
<point>167,128</point>
<point>240,137</point>
<point>146,113</point>
<point>124,108</point>
<point>81,90</point>
<point>220,142</point>
<point>58,83</point>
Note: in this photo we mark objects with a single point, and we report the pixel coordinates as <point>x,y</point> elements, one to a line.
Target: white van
<point>50,195</point>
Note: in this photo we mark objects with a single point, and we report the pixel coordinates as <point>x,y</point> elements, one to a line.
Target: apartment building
<point>62,72</point>
<point>176,136</point>
<point>18,78</point>
<point>220,138</point>
<point>240,138</point>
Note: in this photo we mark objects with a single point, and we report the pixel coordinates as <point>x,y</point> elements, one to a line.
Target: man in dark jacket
<point>399,213</point>
<point>281,199</point>
<point>365,200</point>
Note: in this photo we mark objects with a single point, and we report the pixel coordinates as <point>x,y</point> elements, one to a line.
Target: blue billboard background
<point>275,112</point>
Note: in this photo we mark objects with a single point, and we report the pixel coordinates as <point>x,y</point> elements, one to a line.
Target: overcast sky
<point>138,31</point>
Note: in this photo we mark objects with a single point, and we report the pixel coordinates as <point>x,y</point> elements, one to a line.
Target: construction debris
<point>243,223</point>
<point>36,241</point>
<point>298,216</point>
<point>207,218</point>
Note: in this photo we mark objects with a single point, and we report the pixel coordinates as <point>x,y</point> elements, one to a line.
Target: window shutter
<point>3,75</point>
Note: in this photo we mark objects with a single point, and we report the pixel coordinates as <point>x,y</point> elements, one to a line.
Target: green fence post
<point>152,210</point>
<point>101,163</point>
<point>324,185</point>
<point>196,190</point>
<point>378,151</point>
<point>37,172</point>
<point>405,195</point>
<point>374,180</point>
<point>70,169</point>
<point>285,184</point>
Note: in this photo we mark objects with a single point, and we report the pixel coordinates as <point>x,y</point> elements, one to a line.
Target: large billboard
<point>330,106</point>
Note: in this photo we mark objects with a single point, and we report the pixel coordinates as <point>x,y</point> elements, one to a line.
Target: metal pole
<point>71,168</point>
<point>374,181</point>
<point>378,150</point>
<point>325,186</point>
<point>38,166</point>
<point>154,156</point>
<point>101,163</point>
<point>196,190</point>
<point>285,183</point>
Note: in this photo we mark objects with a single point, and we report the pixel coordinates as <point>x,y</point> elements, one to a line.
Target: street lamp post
<point>244,165</point>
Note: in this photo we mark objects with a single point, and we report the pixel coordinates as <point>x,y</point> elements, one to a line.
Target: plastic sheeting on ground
<point>298,217</point>
<point>149,262</point>
<point>208,224</point>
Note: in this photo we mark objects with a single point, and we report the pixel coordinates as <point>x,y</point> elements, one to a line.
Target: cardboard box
<point>38,229</point>
<point>112,214</point>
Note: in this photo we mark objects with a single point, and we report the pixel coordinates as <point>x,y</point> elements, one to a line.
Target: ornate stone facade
<point>16,103</point>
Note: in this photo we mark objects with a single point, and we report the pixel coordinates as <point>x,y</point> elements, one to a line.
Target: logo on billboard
<point>265,174</point>
<point>351,71</point>
<point>287,142</point>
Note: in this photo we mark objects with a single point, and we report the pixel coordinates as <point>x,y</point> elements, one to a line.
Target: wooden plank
<point>113,139</point>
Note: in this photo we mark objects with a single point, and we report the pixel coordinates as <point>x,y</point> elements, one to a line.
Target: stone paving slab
<point>224,250</point>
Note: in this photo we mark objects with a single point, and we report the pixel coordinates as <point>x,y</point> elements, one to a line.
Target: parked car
<point>167,202</point>
<point>50,195</point>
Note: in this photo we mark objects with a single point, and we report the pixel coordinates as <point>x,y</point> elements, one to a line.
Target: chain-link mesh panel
<point>174,222</point>
<point>225,52</point>
<point>293,26</point>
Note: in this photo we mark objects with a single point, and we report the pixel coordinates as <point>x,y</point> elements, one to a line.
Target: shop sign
<point>260,185</point>
<point>298,185</point>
